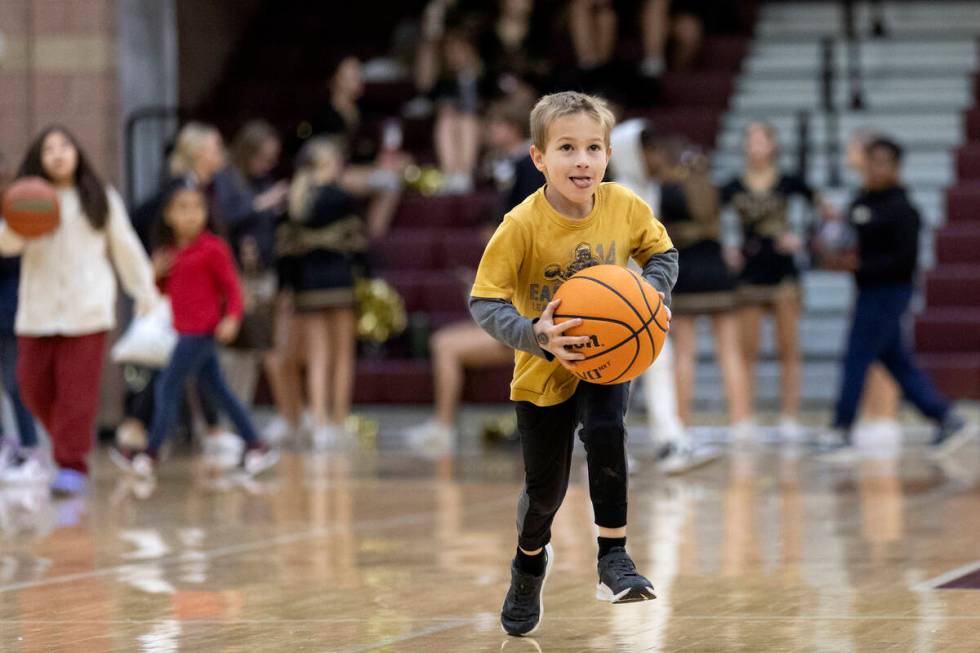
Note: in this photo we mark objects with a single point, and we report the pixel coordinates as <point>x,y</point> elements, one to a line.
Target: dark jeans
<point>547,435</point>
<point>8,363</point>
<point>195,355</point>
<point>876,335</point>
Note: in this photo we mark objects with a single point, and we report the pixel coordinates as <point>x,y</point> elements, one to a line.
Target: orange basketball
<point>622,315</point>
<point>30,207</point>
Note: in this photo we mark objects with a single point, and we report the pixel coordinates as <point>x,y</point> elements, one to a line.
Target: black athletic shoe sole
<point>631,595</point>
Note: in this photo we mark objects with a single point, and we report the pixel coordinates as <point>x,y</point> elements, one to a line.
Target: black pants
<point>547,435</point>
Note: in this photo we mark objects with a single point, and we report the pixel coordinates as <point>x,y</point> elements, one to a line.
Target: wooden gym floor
<point>766,550</point>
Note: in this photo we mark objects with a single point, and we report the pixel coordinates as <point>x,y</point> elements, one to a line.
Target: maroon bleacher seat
<point>956,374</point>
<point>710,89</point>
<point>458,248</point>
<point>968,162</point>
<point>408,249</point>
<point>954,285</point>
<point>958,242</point>
<point>948,330</point>
<point>963,202</point>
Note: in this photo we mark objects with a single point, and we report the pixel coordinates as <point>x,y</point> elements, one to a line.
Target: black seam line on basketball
<point>653,312</point>
<point>633,334</point>
<point>653,345</point>
<point>626,369</point>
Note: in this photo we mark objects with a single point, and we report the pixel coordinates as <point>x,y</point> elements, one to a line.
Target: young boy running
<point>572,222</point>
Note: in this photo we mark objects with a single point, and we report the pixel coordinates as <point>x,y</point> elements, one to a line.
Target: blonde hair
<point>558,105</point>
<point>190,140</point>
<point>249,141</point>
<point>315,153</point>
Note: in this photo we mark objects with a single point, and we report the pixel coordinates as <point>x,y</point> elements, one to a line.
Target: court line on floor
<point>942,579</point>
<point>407,637</point>
<point>232,549</point>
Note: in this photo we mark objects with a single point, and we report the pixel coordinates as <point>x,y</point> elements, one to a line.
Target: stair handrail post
<point>829,106</point>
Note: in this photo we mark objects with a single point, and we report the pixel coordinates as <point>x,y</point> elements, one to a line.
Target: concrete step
<point>914,128</point>
<point>959,56</point>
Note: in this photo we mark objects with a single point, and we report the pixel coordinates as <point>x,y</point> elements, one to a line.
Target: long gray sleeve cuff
<point>661,272</point>
<point>501,320</point>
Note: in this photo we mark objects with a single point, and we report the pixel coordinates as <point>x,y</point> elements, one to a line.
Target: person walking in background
<point>884,267</point>
<point>67,298</point>
<point>200,279</point>
<point>21,461</point>
<point>882,396</point>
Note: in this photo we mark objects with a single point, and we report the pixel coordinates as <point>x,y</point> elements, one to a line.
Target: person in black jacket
<point>887,227</point>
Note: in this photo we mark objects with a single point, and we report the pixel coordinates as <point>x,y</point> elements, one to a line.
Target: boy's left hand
<point>227,329</point>
<point>666,308</point>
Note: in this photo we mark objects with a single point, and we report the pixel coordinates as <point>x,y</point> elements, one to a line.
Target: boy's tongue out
<point>581,182</point>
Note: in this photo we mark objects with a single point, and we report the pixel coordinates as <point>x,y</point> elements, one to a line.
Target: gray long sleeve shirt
<point>501,319</point>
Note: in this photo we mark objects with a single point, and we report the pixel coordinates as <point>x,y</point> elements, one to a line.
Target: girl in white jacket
<point>67,298</point>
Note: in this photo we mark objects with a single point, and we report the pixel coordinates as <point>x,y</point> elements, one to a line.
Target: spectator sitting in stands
<point>463,345</point>
<point>515,47</point>
<point>458,95</point>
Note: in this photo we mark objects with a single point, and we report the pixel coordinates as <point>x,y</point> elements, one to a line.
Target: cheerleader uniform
<point>319,253</point>
<point>704,282</point>
<point>768,273</point>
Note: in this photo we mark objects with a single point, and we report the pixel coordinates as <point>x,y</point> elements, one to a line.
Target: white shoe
<point>843,454</point>
<point>790,429</point>
<point>326,436</point>
<point>33,470</point>
<point>681,457</point>
<point>7,449</point>
<point>836,448</point>
<point>222,450</point>
<point>744,432</point>
<point>131,434</point>
<point>258,460</point>
<point>431,438</point>
<point>278,430</point>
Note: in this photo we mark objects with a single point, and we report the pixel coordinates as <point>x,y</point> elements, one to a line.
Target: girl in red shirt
<point>207,306</point>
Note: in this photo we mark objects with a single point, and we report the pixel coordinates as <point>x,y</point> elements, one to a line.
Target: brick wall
<point>59,65</point>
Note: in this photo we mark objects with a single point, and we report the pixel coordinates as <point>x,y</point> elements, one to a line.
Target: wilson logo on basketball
<point>593,342</point>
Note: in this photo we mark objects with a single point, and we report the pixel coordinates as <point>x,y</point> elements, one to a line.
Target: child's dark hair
<point>888,145</point>
<point>91,188</point>
<point>163,234</point>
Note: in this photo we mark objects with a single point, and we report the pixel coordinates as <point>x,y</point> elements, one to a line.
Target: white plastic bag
<point>149,340</point>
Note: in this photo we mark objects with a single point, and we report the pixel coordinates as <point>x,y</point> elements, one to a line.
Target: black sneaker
<point>619,581</point>
<point>953,433</point>
<point>524,603</point>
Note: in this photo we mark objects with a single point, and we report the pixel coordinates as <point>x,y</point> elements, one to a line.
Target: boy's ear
<point>537,156</point>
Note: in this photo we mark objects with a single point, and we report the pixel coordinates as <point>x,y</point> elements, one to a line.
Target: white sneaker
<point>325,436</point>
<point>222,450</point>
<point>131,434</point>
<point>790,429</point>
<point>836,448</point>
<point>259,459</point>
<point>431,438</point>
<point>7,449</point>
<point>744,432</point>
<point>680,457</point>
<point>278,430</point>
<point>33,470</point>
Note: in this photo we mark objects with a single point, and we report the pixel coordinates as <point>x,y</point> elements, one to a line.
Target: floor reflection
<point>766,549</point>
